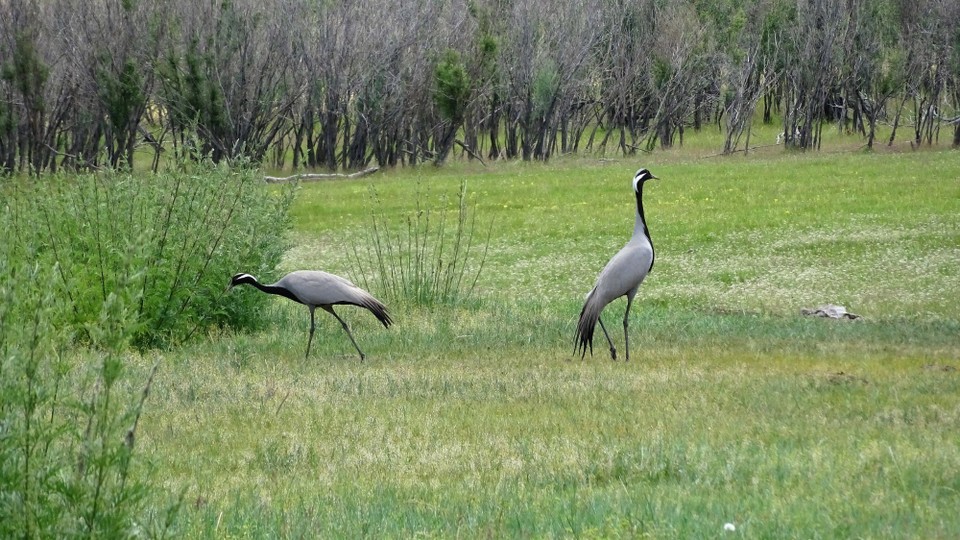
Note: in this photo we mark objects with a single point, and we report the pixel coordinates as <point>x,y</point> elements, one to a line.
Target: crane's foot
<point>613,354</point>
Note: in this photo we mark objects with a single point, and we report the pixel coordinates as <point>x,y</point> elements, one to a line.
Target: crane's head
<point>640,177</point>
<point>241,278</point>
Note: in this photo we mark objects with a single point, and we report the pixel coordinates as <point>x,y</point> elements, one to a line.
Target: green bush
<point>452,86</point>
<point>165,245</point>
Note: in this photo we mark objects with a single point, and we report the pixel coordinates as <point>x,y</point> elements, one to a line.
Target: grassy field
<point>476,420</point>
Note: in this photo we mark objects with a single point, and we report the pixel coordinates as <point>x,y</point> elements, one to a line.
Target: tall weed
<point>68,420</point>
<point>424,260</point>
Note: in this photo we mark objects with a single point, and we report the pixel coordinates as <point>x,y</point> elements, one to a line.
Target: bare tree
<point>812,69</point>
<point>750,73</point>
<point>544,65</point>
<point>623,67</point>
<point>231,84</point>
<point>751,80</point>
<point>118,75</point>
<point>39,86</point>
<point>874,60</point>
<point>931,35</point>
<point>950,14</point>
<point>332,45</point>
<point>679,62</point>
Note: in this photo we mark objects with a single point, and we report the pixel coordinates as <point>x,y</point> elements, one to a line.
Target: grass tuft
<point>421,258</point>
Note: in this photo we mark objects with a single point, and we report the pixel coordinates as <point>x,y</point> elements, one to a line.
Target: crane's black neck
<point>273,289</point>
<point>641,225</point>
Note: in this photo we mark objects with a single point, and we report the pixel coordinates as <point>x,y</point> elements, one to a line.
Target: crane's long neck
<point>640,230</point>
<point>273,289</point>
<point>640,226</point>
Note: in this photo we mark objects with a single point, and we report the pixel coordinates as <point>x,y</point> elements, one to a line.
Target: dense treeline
<point>342,84</point>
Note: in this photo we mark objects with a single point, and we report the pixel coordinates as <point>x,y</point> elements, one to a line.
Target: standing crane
<point>620,277</point>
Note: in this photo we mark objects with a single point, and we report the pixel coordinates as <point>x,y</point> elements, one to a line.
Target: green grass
<point>476,420</point>
<point>878,232</point>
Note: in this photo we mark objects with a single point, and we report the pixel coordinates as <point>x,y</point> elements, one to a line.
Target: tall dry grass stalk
<point>429,259</point>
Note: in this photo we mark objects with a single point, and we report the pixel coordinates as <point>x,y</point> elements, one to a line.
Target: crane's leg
<point>613,350</point>
<point>347,328</point>
<point>312,326</point>
<point>626,335</point>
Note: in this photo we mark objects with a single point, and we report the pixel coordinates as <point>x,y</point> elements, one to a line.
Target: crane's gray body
<point>318,288</point>
<point>315,288</point>
<point>625,272</point>
<point>622,276</point>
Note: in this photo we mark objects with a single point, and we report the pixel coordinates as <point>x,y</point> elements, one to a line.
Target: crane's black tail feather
<point>379,310</point>
<point>586,325</point>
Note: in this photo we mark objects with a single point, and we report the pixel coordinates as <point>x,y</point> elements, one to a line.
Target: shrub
<point>108,260</point>
<point>164,245</point>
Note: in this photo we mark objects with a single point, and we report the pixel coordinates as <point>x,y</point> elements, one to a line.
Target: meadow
<point>475,419</point>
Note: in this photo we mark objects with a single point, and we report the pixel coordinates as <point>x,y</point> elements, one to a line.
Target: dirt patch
<point>943,368</point>
<point>843,378</point>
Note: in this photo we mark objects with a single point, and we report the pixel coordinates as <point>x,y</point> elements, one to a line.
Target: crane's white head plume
<point>640,177</point>
<point>240,278</point>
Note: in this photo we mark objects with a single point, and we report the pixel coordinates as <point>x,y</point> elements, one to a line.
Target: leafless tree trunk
<point>749,80</point>
<point>678,65</point>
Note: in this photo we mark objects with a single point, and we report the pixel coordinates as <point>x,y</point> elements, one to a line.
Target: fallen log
<point>316,177</point>
<point>471,152</point>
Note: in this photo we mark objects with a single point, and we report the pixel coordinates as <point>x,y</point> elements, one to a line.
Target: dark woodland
<point>335,85</point>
